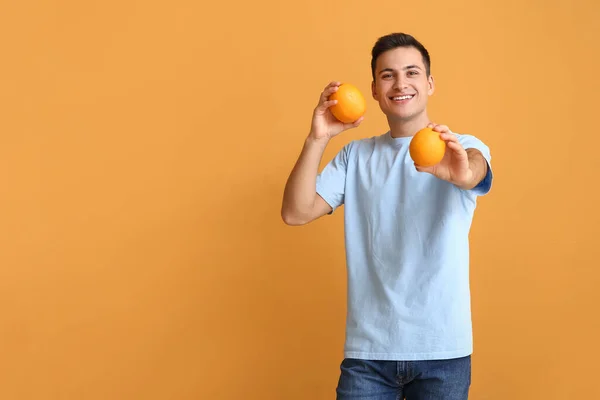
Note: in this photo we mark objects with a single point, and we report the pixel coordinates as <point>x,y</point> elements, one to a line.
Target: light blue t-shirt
<point>407,251</point>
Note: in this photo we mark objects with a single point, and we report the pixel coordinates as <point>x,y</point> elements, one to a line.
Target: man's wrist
<point>311,140</point>
<point>476,172</point>
<point>469,182</point>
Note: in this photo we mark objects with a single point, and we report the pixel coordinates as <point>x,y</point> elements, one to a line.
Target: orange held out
<point>427,148</point>
<point>351,104</point>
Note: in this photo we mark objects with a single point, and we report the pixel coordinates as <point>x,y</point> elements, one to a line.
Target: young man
<point>408,329</point>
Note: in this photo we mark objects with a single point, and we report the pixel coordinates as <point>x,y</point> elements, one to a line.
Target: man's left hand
<point>454,167</point>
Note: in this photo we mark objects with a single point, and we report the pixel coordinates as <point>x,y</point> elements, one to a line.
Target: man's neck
<point>406,128</point>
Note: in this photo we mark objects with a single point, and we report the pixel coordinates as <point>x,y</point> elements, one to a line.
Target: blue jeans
<point>410,380</point>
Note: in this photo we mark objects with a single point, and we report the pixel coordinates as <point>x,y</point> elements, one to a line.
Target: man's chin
<point>400,117</point>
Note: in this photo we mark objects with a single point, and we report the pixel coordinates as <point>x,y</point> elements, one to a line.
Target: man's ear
<point>431,85</point>
<point>373,90</point>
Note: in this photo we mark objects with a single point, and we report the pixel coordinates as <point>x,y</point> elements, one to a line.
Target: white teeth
<point>403,97</point>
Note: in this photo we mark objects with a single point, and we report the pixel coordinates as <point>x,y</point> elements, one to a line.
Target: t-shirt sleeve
<point>331,182</point>
<point>471,142</point>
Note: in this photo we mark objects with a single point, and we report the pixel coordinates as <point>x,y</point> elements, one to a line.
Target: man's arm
<point>464,168</point>
<point>301,203</point>
<point>478,167</point>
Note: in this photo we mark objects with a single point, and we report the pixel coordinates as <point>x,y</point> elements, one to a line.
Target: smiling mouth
<point>402,98</point>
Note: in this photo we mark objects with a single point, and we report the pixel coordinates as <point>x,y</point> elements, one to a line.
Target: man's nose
<point>400,83</point>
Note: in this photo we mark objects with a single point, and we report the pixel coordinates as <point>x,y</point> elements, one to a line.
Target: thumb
<point>423,169</point>
<point>354,124</point>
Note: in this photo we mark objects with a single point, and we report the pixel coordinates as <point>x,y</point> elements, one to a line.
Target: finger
<point>454,145</point>
<point>355,123</point>
<point>326,104</point>
<point>331,87</point>
<point>441,128</point>
<point>328,92</point>
<point>423,169</point>
<point>448,137</point>
<point>331,84</point>
<point>456,148</point>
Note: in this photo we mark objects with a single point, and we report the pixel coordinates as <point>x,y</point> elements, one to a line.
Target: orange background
<point>144,148</point>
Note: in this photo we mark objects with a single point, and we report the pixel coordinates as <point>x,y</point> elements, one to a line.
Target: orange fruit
<point>427,148</point>
<point>351,104</point>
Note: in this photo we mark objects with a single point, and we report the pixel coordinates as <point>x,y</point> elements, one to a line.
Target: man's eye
<point>385,76</point>
<point>413,73</point>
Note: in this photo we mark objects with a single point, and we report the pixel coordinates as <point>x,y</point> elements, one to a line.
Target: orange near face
<point>427,148</point>
<point>351,104</point>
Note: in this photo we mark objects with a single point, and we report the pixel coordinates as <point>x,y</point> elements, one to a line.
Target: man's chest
<point>391,181</point>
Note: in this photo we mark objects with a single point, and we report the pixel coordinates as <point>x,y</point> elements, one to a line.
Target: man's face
<point>401,84</point>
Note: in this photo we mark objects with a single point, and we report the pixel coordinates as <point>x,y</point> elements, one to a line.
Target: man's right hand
<point>324,125</point>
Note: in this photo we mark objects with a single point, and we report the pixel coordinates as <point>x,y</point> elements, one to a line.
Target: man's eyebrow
<point>404,68</point>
